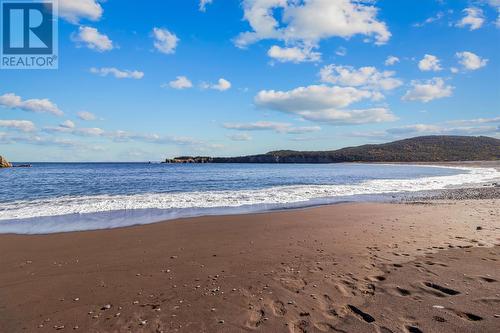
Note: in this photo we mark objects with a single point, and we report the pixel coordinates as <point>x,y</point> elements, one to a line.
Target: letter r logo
<point>27,28</point>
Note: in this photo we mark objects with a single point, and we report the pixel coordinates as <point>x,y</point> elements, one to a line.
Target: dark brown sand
<point>428,267</point>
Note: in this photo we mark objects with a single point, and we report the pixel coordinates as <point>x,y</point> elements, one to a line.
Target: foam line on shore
<point>78,213</point>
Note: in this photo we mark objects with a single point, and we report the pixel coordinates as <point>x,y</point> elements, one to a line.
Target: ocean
<point>62,197</point>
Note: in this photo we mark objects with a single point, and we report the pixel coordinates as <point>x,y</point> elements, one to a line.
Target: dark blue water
<point>46,180</point>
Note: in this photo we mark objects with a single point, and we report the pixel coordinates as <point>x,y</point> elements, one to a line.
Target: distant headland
<point>418,149</point>
<point>4,163</point>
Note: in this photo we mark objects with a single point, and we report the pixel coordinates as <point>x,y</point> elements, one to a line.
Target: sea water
<point>61,197</point>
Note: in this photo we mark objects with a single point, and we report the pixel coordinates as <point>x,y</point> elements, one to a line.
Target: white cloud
<point>69,128</point>
<point>20,125</point>
<point>475,121</point>
<point>429,63</point>
<point>272,126</point>
<point>496,5</point>
<point>368,77</point>
<point>117,73</point>
<point>426,91</point>
<point>417,128</point>
<point>40,141</point>
<point>93,131</point>
<point>471,61</point>
<point>429,20</point>
<point>203,4</point>
<point>198,145</point>
<point>75,10</point>
<point>67,124</point>
<point>87,116</point>
<point>325,104</point>
<point>64,128</point>
<point>12,101</point>
<point>391,60</point>
<point>350,117</point>
<point>314,97</point>
<point>474,18</point>
<point>240,137</point>
<point>293,54</point>
<point>221,85</point>
<point>341,51</point>
<point>310,21</point>
<point>181,82</point>
<point>427,129</point>
<point>165,41</point>
<point>93,39</point>
<point>435,129</point>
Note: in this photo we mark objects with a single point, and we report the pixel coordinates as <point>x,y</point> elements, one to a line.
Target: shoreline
<point>286,271</point>
<point>481,192</point>
<point>80,220</point>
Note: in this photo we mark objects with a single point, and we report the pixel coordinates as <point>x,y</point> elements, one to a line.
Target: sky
<point>147,80</point>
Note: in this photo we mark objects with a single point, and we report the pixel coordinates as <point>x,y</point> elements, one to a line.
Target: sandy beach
<point>427,266</point>
<point>267,166</point>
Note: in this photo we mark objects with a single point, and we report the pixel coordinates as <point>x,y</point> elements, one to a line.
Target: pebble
<point>143,322</point>
<point>106,307</point>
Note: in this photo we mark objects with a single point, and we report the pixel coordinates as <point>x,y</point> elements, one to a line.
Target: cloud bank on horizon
<point>142,82</point>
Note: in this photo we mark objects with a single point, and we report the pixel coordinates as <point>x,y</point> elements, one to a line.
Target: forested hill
<point>419,149</point>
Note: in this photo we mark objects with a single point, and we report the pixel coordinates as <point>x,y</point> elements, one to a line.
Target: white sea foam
<point>74,213</point>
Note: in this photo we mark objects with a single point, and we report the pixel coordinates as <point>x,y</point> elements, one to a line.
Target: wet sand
<point>428,266</point>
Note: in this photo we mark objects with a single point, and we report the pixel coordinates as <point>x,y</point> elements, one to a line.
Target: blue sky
<point>140,81</point>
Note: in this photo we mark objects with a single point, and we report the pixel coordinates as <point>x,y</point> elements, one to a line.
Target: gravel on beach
<point>473,193</point>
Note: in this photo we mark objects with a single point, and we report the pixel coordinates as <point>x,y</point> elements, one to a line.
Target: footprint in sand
<point>439,319</point>
<point>441,289</point>
<point>487,279</point>
<point>326,327</point>
<point>377,278</point>
<point>363,315</point>
<point>293,284</point>
<point>488,300</point>
<point>300,326</point>
<point>278,308</point>
<point>403,292</point>
<point>342,290</point>
<point>256,319</point>
<point>465,315</point>
<point>432,263</point>
<point>328,307</point>
<point>413,329</point>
